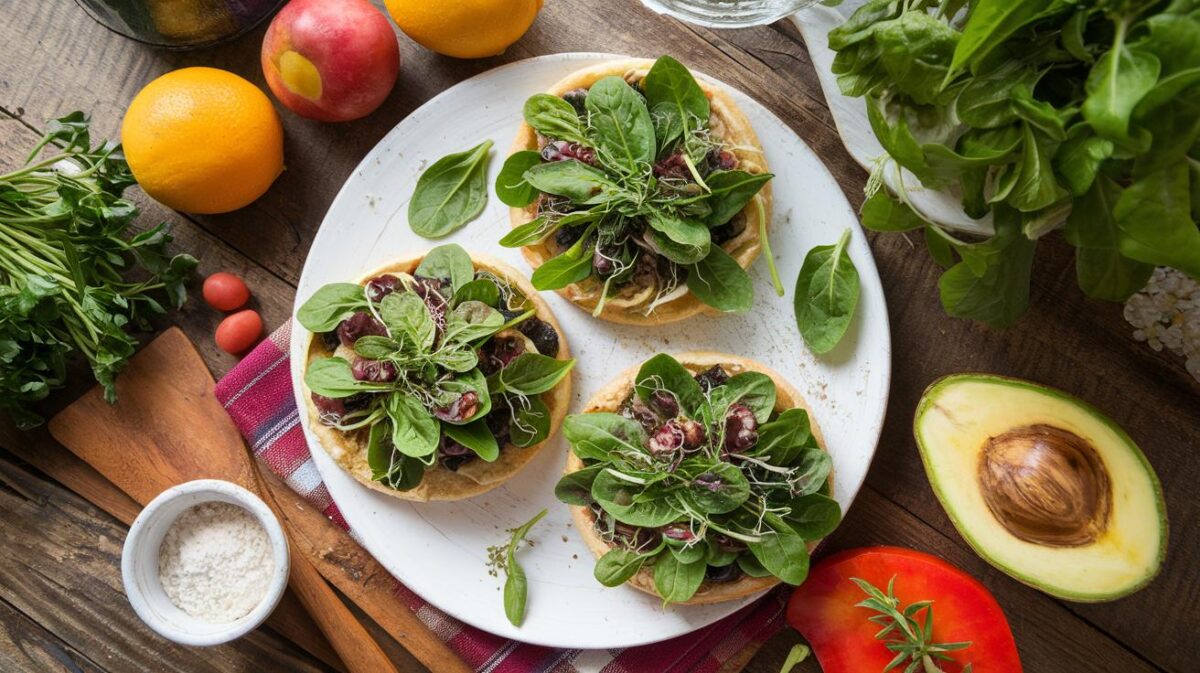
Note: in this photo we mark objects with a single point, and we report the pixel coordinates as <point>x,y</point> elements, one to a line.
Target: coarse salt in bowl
<point>143,552</point>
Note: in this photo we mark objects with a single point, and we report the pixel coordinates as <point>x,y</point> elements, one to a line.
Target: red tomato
<point>823,611</point>
<point>238,332</point>
<point>225,291</point>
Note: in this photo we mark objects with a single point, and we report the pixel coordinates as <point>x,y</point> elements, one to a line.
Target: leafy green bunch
<point>608,214</point>
<point>704,507</point>
<point>434,390</point>
<point>73,280</point>
<point>1047,114</point>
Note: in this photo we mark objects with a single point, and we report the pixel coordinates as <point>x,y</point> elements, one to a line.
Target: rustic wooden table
<point>61,603</point>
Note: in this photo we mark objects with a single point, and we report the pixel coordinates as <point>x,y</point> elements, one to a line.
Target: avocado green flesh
<point>957,418</point>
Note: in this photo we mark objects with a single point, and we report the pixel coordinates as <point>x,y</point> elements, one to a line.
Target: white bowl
<point>139,563</point>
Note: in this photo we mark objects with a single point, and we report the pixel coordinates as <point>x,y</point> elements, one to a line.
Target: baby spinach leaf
<point>915,51</point>
<point>826,295</point>
<point>448,262</point>
<point>571,266</point>
<point>516,585</point>
<point>406,317</point>
<point>617,566</point>
<point>1078,160</point>
<point>530,423</point>
<point>456,359</point>
<point>719,281</point>
<point>511,186</point>
<point>730,191</point>
<point>450,193</point>
<point>1115,85</point>
<point>781,551</point>
<point>687,553</point>
<point>330,305</point>
<point>1103,272</point>
<point>388,465</point>
<point>1035,186</point>
<point>475,436</point>
<point>531,374</point>
<point>533,231</point>
<point>1154,220</point>
<point>676,581</point>
<point>482,290</point>
<point>883,213</point>
<point>681,240</point>
<point>751,566</point>
<point>812,471</point>
<point>994,21</point>
<point>718,490</point>
<point>594,436</point>
<point>753,389</point>
<point>472,320</point>
<point>627,502</point>
<point>575,488</point>
<point>374,347</point>
<point>678,103</point>
<point>554,117</point>
<point>624,132</point>
<point>570,178</point>
<point>790,430</point>
<point>414,432</point>
<point>814,516</point>
<point>664,373</point>
<point>331,377</point>
<point>991,283</point>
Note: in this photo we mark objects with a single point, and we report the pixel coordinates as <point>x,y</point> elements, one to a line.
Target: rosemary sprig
<point>903,634</point>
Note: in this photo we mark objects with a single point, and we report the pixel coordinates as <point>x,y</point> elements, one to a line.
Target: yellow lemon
<point>203,140</point>
<point>464,28</point>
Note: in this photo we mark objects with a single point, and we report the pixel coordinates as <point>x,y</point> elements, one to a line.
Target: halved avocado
<point>1043,486</point>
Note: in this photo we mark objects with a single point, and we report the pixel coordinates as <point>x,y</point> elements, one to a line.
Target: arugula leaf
<point>826,296</point>
<point>450,193</point>
<point>719,281</point>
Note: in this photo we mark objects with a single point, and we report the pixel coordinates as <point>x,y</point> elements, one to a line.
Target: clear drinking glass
<point>179,24</point>
<point>728,13</point>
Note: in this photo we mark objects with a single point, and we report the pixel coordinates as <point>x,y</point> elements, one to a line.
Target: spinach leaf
<point>450,263</point>
<point>676,581</point>
<point>575,488</point>
<point>915,52</point>
<point>991,283</point>
<point>472,320</point>
<point>720,489</point>
<point>554,117</point>
<point>664,373</point>
<point>994,21</point>
<point>617,566</point>
<point>624,133</point>
<point>827,292</point>
<point>330,305</point>
<point>571,266</point>
<point>681,240</point>
<point>475,436</point>
<point>374,347</point>
<point>1115,85</point>
<point>1078,159</point>
<point>1034,187</point>
<point>530,374</point>
<point>450,193</point>
<point>1154,220</point>
<point>596,435</point>
<point>719,281</point>
<point>679,105</point>
<point>570,178</point>
<point>511,186</point>
<point>628,503</point>
<point>1103,272</point>
<point>750,565</point>
<point>781,551</point>
<point>814,516</point>
<point>331,377</point>
<point>482,290</point>
<point>516,585</point>
<point>388,465</point>
<point>730,191</point>
<point>812,471</point>
<point>414,432</point>
<point>407,318</point>
<point>753,389</point>
<point>883,213</point>
<point>686,552</point>
<point>530,423</point>
<point>778,439</point>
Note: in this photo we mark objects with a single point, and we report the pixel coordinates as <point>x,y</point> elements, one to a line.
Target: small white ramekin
<point>139,563</point>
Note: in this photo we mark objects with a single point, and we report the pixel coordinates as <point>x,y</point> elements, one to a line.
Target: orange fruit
<point>464,28</point>
<point>203,140</point>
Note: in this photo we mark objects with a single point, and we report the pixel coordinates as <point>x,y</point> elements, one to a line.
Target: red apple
<point>331,60</point>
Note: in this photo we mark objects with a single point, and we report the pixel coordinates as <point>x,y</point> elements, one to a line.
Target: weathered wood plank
<point>60,566</point>
<point>26,646</point>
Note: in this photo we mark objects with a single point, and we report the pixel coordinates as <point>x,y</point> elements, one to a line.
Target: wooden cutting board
<point>166,394</point>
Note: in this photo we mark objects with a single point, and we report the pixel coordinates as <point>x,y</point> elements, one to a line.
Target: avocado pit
<point>1046,485</point>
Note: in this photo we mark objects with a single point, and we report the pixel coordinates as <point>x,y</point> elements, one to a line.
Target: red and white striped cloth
<point>258,396</point>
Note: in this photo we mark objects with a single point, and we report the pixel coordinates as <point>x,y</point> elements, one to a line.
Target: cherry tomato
<point>824,610</point>
<point>225,291</point>
<point>238,332</point>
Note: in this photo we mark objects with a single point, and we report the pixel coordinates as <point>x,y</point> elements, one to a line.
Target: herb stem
<point>766,243</point>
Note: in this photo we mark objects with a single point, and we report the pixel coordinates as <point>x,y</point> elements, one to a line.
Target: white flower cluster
<point>1166,314</point>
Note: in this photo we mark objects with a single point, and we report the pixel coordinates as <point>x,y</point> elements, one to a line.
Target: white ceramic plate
<point>439,550</point>
<point>850,117</point>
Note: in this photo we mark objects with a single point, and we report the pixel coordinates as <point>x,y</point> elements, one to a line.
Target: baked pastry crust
<point>349,450</point>
<point>609,399</point>
<point>729,123</point>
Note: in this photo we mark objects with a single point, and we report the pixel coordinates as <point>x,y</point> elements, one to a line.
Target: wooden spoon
<point>168,428</point>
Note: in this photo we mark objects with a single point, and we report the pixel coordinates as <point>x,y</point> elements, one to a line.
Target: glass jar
<point>728,13</point>
<point>179,24</point>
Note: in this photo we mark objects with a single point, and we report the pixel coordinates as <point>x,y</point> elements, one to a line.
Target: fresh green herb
<point>826,295</point>
<point>450,193</point>
<point>635,195</point>
<point>67,257</point>
<point>504,559</point>
<point>710,477</point>
<point>1046,115</point>
<point>424,374</point>
<point>797,655</point>
<point>911,640</point>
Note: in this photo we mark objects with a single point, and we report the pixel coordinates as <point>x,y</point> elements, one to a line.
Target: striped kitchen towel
<point>258,396</point>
